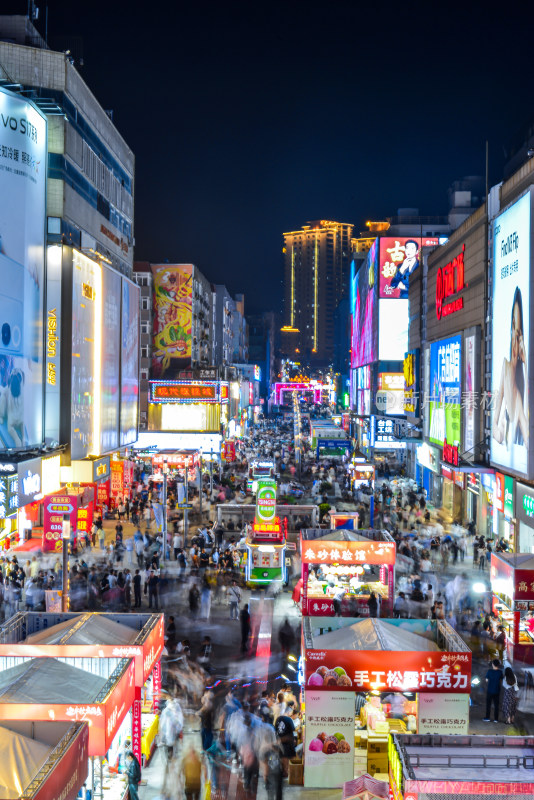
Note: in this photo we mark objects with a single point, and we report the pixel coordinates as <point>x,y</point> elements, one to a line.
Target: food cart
<point>396,673</point>
<point>361,562</point>
<point>512,587</point>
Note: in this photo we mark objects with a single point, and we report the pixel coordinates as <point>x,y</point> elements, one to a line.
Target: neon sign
<point>449,281</point>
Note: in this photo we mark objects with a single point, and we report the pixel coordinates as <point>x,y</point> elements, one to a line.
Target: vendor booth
<point>84,639</point>
<point>266,541</point>
<point>177,461</point>
<point>361,474</point>
<point>357,563</point>
<point>456,767</point>
<point>512,586</point>
<point>42,760</point>
<point>366,677</point>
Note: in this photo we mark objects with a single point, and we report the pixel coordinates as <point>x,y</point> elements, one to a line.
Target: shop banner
<point>68,776</point>
<point>469,397</point>
<point>137,731</point>
<point>499,788</point>
<point>117,479</point>
<point>102,493</point>
<point>317,551</point>
<point>329,739</point>
<point>55,506</point>
<point>363,671</point>
<point>156,687</point>
<point>442,713</point>
<point>85,520</point>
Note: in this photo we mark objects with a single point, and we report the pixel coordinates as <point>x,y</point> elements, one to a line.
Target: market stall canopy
<point>373,634</point>
<point>47,680</point>
<point>336,535</point>
<point>517,560</point>
<point>21,758</point>
<point>365,788</point>
<point>89,629</point>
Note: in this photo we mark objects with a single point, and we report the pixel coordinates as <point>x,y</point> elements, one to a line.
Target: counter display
<point>356,583</point>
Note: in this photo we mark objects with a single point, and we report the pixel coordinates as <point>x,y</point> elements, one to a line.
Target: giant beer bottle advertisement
<point>510,413</point>
<point>23,143</point>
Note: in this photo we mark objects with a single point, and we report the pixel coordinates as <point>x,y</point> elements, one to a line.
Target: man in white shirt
<point>176,544</point>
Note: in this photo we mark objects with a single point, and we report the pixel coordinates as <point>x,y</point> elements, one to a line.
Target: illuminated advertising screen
<point>129,362</point>
<point>111,344</point>
<point>173,299</point>
<point>86,355</point>
<point>23,158</point>
<point>411,383</point>
<point>510,412</point>
<point>390,394</point>
<point>363,311</point>
<point>184,392</point>
<point>399,258</point>
<point>393,329</point>
<point>445,391</point>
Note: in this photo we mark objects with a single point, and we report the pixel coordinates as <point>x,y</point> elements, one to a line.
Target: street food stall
<point>395,673</point>
<point>456,767</point>
<point>266,541</point>
<point>88,638</point>
<point>42,760</point>
<point>357,562</point>
<point>512,587</point>
<point>361,474</point>
<point>240,514</point>
<point>177,462</point>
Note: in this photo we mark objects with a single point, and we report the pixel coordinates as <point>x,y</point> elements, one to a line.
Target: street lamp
<point>65,536</point>
<point>164,498</point>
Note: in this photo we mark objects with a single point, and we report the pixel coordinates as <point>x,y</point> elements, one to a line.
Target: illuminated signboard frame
<point>210,392</point>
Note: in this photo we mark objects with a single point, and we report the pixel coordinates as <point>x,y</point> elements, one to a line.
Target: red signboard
<point>399,258</point>
<point>383,670</point>
<point>70,773</point>
<point>318,551</point>
<point>449,281</point>
<point>495,788</point>
<point>102,493</point>
<point>156,686</point>
<point>450,453</point>
<point>137,732</point>
<point>55,507</point>
<point>184,391</point>
<point>268,530</point>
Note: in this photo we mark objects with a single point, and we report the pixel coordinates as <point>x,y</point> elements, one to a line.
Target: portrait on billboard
<point>399,259</point>
<point>23,143</point>
<point>173,299</point>
<point>510,343</point>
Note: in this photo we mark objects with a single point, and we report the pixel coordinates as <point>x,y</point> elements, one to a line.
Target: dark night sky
<point>250,119</point>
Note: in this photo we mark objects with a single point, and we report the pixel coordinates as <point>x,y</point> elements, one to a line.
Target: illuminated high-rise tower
<point>317,262</point>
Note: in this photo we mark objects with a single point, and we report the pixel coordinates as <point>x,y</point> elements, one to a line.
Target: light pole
<point>186,498</point>
<point>200,489</point>
<point>164,498</point>
<point>65,536</point>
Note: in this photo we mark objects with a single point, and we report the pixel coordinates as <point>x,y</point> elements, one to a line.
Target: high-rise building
<point>317,263</point>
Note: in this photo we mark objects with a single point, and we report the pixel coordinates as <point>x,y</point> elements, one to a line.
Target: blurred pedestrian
<point>510,695</point>
<point>192,773</point>
<point>234,598</point>
<point>494,678</point>
<point>244,617</point>
<point>134,775</point>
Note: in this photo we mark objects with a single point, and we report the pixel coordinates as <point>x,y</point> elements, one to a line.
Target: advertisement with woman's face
<point>510,340</point>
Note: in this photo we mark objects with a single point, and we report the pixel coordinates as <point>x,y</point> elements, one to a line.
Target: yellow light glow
<point>292,286</point>
<point>97,360</point>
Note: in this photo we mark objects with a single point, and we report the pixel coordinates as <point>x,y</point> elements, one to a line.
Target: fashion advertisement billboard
<point>399,258</point>
<point>129,362</point>
<point>392,329</point>
<point>23,147</point>
<point>363,310</point>
<point>86,355</point>
<point>173,308</point>
<point>111,343</point>
<point>445,391</point>
<point>469,392</point>
<point>510,417</point>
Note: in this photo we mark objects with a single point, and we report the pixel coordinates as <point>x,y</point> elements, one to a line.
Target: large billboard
<point>86,355</point>
<point>399,258</point>
<point>392,329</point>
<point>173,299</point>
<point>129,362</point>
<point>445,391</point>
<point>363,311</point>
<point>23,147</point>
<point>111,344</point>
<point>510,423</point>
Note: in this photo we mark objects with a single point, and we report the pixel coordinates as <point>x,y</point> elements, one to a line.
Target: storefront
<point>468,767</point>
<point>428,472</point>
<point>503,511</point>
<point>524,513</point>
<point>384,669</point>
<point>354,563</point>
<point>512,586</point>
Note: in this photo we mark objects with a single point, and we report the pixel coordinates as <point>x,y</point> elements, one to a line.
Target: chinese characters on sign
<point>184,391</point>
<point>449,281</point>
<point>317,552</point>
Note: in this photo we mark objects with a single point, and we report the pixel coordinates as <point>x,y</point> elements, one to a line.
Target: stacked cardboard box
<point>377,754</point>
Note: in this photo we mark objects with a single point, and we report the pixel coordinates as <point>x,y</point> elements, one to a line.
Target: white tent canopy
<point>21,758</point>
<point>373,634</point>
<point>47,680</point>
<point>89,629</point>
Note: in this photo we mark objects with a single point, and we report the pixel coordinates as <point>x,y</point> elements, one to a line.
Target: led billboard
<point>398,259</point>
<point>173,299</point>
<point>363,311</point>
<point>510,411</point>
<point>129,362</point>
<point>23,147</point>
<point>393,329</point>
<point>111,343</point>
<point>445,391</point>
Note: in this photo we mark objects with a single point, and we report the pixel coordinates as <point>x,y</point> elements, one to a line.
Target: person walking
<point>510,695</point>
<point>137,589</point>
<point>192,774</point>
<point>373,605</point>
<point>494,678</point>
<point>244,617</point>
<point>134,776</point>
<point>153,582</point>
<point>234,598</point>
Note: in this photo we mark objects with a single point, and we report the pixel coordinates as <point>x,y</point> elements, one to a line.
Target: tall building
<point>316,268</point>
<point>261,347</point>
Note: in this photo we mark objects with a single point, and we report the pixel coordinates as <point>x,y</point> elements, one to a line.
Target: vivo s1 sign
<point>265,499</point>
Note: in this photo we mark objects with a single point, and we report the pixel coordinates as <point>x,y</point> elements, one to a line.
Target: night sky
<point>249,119</point>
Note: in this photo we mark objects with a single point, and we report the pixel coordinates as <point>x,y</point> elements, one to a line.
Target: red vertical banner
<point>137,731</point>
<point>391,588</point>
<point>305,574</point>
<point>156,684</point>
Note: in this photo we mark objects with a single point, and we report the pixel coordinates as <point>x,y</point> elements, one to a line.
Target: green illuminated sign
<point>265,500</point>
